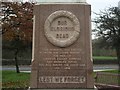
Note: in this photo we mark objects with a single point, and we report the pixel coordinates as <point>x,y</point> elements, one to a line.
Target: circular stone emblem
<point>62,28</point>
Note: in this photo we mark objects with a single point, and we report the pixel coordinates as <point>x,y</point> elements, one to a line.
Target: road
<point>105,67</point>
<point>95,67</point>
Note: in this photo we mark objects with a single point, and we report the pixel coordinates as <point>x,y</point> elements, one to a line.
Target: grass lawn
<point>112,71</point>
<point>104,57</point>
<point>11,79</point>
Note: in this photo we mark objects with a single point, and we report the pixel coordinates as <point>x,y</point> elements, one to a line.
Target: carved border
<point>76,31</point>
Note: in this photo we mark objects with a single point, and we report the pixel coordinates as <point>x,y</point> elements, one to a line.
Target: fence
<point>107,79</point>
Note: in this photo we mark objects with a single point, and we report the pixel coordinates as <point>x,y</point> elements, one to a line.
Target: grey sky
<point>101,5</point>
<point>98,5</point>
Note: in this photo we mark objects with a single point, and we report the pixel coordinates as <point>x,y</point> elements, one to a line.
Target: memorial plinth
<point>61,1</point>
<point>62,46</point>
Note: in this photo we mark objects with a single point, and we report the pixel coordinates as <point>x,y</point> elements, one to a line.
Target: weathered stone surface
<point>62,47</point>
<point>62,28</point>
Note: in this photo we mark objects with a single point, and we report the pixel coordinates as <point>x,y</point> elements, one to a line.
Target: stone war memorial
<point>62,56</point>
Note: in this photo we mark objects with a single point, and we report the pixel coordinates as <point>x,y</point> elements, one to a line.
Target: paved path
<point>22,68</point>
<point>95,67</point>
<point>101,67</point>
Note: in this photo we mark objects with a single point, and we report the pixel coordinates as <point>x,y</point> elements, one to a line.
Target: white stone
<point>48,1</point>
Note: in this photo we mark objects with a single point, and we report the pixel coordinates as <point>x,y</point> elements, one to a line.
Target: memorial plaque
<point>62,47</point>
<point>62,28</point>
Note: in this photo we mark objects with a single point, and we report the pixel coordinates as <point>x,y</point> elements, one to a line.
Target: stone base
<point>62,89</point>
<point>95,88</point>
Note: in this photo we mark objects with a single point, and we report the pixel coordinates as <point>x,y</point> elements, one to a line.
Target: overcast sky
<point>98,5</point>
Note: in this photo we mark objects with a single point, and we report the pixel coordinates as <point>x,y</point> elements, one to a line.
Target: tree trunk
<point>16,62</point>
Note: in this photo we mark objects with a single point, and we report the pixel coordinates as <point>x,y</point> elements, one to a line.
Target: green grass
<point>104,57</point>
<point>112,71</point>
<point>0,79</point>
<point>11,79</point>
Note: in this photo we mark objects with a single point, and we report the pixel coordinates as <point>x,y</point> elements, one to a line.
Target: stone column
<point>62,46</point>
